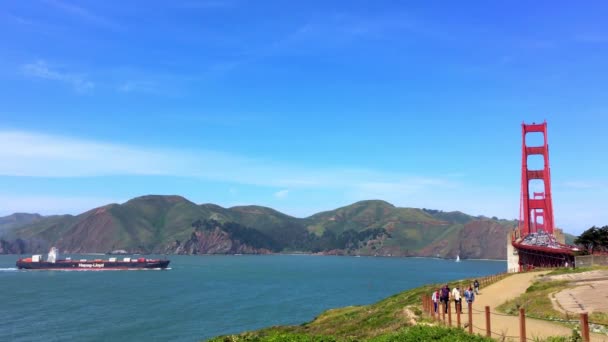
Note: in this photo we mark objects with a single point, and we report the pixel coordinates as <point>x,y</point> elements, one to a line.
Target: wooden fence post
<point>470,318</point>
<point>488,328</point>
<point>423,299</point>
<point>458,318</point>
<point>585,327</point>
<point>522,325</point>
<point>449,313</point>
<point>443,304</point>
<point>422,302</point>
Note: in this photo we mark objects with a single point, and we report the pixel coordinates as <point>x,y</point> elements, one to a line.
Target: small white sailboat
<point>457,258</point>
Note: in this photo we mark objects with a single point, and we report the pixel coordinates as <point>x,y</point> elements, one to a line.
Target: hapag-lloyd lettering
<point>91,265</point>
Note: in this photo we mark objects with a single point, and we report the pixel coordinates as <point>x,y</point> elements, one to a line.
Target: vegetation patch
<point>396,318</point>
<point>415,333</point>
<point>567,270</point>
<point>536,300</point>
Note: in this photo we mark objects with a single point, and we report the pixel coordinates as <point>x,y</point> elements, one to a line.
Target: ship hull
<point>104,265</point>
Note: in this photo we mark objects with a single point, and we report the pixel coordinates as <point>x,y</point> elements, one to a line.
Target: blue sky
<point>302,106</point>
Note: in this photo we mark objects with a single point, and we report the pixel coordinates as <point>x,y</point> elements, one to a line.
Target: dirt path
<point>502,325</point>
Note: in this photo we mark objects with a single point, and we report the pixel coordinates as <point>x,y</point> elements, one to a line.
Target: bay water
<point>205,296</point>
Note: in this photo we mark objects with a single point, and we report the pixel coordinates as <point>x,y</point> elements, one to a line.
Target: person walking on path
<point>435,299</point>
<point>445,297</point>
<point>457,299</point>
<point>469,295</point>
<point>476,284</point>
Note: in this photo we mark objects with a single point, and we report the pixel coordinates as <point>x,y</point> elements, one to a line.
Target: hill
<point>173,224</point>
<point>16,220</point>
<point>416,232</point>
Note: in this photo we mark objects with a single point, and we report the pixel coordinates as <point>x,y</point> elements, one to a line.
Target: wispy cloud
<point>592,38</point>
<point>281,194</point>
<point>23,153</point>
<point>40,69</point>
<point>139,86</point>
<point>39,155</point>
<point>332,31</point>
<point>17,19</point>
<point>137,80</point>
<point>32,154</point>
<point>582,184</point>
<point>84,14</point>
<point>207,4</point>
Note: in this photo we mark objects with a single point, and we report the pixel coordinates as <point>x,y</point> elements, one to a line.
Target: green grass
<point>537,303</point>
<point>415,333</point>
<point>390,319</point>
<point>599,318</point>
<point>536,300</point>
<point>567,270</point>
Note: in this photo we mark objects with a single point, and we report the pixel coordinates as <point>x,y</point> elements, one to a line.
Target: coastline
<point>403,313</point>
<point>396,314</point>
<point>280,253</point>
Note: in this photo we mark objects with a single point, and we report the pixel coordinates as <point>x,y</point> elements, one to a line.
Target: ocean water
<point>205,296</point>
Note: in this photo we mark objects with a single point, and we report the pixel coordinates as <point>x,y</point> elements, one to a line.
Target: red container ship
<point>54,263</point>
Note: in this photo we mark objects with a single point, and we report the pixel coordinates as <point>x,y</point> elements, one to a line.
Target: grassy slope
<point>49,227</point>
<point>414,231</point>
<point>14,221</point>
<point>537,300</point>
<point>570,238</point>
<point>149,223</point>
<point>409,228</point>
<point>413,334</point>
<point>386,320</point>
<point>141,223</point>
<point>285,229</point>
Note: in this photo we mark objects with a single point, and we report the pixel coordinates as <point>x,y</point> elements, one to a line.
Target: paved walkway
<point>589,295</point>
<point>503,325</point>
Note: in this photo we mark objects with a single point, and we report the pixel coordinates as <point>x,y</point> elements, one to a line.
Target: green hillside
<point>17,220</point>
<point>415,232</point>
<point>172,224</point>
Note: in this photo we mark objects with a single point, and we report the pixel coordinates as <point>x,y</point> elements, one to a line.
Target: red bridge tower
<point>534,244</point>
<point>536,211</point>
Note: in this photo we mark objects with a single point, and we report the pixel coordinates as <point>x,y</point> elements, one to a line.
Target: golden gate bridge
<point>537,242</point>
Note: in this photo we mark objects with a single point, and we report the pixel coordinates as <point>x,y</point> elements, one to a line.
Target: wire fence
<point>444,314</point>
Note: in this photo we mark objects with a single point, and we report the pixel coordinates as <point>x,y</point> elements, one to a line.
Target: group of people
<point>444,294</point>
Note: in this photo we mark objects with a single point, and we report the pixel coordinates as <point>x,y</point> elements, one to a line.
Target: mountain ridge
<point>174,224</point>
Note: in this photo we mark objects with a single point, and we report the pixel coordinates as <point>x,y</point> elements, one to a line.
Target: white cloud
<point>206,4</point>
<point>40,69</point>
<point>84,14</point>
<point>139,86</point>
<point>580,185</point>
<point>282,194</point>
<point>40,155</point>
